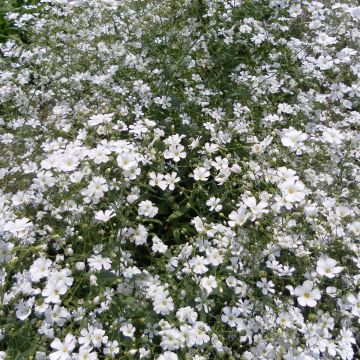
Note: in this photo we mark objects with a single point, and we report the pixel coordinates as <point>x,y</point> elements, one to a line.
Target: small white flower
<point>128,330</point>
<point>293,190</point>
<point>64,349</point>
<point>230,316</point>
<point>147,208</point>
<point>327,267</point>
<point>104,216</point>
<point>158,245</point>
<point>171,180</point>
<point>306,294</point>
<point>209,283</point>
<point>257,209</point>
<point>40,269</point>
<point>126,161</point>
<point>238,217</point>
<point>19,228</point>
<point>354,301</point>
<point>175,152</point>
<point>201,174</point>
<point>163,304</point>
<point>293,139</point>
<point>332,136</point>
<point>265,286</point>
<point>214,204</point>
<point>97,263</point>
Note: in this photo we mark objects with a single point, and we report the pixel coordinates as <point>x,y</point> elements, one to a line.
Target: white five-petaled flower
<point>293,190</point>
<point>354,301</point>
<point>214,204</point>
<point>126,161</point>
<point>293,139</point>
<point>104,216</point>
<point>306,294</point>
<point>238,217</point>
<point>327,267</point>
<point>171,180</point>
<point>175,152</point>
<point>332,136</point>
<point>256,209</point>
<point>128,329</point>
<point>158,180</point>
<point>209,283</point>
<point>201,174</point>
<point>265,286</point>
<point>63,349</point>
<point>97,263</point>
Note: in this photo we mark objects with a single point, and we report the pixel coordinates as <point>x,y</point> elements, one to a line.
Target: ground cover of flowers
<point>180,180</point>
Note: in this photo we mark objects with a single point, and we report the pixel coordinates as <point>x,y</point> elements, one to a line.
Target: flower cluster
<point>180,180</point>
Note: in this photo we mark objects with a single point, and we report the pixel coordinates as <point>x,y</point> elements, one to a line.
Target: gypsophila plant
<point>180,180</point>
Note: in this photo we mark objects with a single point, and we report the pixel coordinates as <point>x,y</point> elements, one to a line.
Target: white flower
<point>163,304</point>
<point>97,263</point>
<point>19,228</point>
<point>23,310</point>
<point>158,180</point>
<point>306,294</point>
<point>147,208</point>
<point>327,267</point>
<point>293,139</point>
<point>86,353</point>
<point>332,136</point>
<point>265,286</point>
<point>238,217</point>
<point>343,211</point>
<point>214,204</point>
<point>168,355</point>
<point>67,162</point>
<point>64,349</point>
<point>128,330</point>
<point>209,283</point>
<point>139,235</point>
<point>200,330</point>
<point>158,245</point>
<point>325,39</point>
<point>86,336</point>
<point>355,227</point>
<point>355,12</point>
<point>230,316</point>
<point>56,315</point>
<point>100,119</point>
<point>98,337</point>
<point>52,292</point>
<point>293,190</point>
<point>256,209</point>
<point>104,216</point>
<point>126,161</point>
<point>112,348</point>
<point>175,152</point>
<point>171,180</point>
<point>198,264</point>
<point>40,269</point>
<point>354,301</point>
<point>201,174</point>
<point>187,314</point>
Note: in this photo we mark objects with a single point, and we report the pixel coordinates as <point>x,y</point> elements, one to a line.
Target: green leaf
<point>176,234</point>
<point>105,277</point>
<point>176,214</point>
<point>157,221</point>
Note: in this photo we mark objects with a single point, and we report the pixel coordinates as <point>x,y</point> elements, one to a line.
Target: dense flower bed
<point>180,180</point>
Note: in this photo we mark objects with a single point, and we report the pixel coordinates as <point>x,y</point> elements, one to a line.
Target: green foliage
<point>8,28</point>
